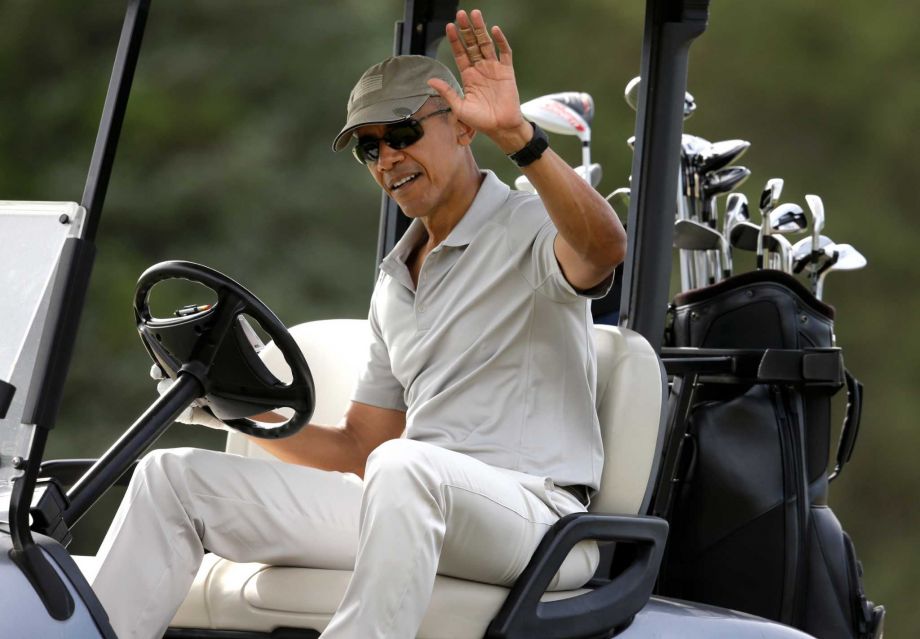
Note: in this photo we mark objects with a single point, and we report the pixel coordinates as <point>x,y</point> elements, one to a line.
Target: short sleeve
<point>533,230</point>
<point>377,386</point>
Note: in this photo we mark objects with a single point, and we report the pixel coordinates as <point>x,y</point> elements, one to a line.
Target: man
<point>482,353</point>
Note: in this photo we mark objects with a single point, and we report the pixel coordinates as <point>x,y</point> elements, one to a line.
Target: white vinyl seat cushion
<point>256,597</point>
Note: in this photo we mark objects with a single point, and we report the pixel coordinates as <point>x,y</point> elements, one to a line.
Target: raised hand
<point>490,103</point>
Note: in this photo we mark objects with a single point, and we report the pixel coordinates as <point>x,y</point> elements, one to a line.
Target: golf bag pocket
<point>837,604</point>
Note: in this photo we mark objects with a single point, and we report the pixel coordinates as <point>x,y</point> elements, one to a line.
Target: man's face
<point>419,177</point>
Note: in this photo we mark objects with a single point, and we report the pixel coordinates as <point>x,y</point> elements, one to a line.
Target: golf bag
<point>750,526</point>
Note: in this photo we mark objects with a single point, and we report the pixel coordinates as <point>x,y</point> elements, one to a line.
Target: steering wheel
<point>215,344</point>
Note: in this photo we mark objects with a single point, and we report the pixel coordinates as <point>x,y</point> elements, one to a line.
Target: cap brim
<point>379,113</point>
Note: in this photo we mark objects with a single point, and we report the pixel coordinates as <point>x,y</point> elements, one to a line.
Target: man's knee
<point>401,464</point>
<point>175,466</point>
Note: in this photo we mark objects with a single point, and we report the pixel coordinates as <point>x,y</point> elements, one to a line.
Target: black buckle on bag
<point>820,366</point>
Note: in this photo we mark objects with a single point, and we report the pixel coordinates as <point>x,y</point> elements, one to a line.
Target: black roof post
<point>418,33</point>
<point>670,28</point>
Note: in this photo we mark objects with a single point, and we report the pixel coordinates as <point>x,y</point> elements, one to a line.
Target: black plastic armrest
<point>524,616</point>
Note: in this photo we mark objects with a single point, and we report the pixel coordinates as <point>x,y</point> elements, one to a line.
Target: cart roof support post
<point>670,28</point>
<point>418,33</point>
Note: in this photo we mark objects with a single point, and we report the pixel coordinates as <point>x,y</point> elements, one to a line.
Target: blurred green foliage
<point>225,159</point>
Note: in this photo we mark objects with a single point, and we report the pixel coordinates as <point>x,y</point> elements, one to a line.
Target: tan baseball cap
<point>391,91</point>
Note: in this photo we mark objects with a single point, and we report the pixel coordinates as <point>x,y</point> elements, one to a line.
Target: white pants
<point>420,510</point>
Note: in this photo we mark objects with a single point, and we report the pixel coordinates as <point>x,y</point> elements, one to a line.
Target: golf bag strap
<point>850,424</point>
<point>809,366</point>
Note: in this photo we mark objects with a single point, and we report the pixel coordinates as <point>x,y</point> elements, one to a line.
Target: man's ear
<point>465,133</point>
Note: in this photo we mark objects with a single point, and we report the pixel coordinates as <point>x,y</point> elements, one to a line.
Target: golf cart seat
<point>256,597</point>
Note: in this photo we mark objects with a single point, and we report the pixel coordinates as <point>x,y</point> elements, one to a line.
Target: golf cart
<point>210,353</point>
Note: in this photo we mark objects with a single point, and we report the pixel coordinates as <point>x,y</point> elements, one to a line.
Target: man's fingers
<point>457,48</point>
<point>453,99</point>
<point>468,36</point>
<point>503,47</point>
<point>481,32</point>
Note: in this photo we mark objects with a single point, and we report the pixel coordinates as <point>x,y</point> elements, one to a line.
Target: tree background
<point>225,159</point>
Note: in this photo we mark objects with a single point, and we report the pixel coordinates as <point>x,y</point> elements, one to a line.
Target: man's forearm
<point>323,447</point>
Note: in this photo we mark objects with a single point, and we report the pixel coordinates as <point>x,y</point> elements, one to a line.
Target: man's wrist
<point>515,139</point>
<point>532,150</point>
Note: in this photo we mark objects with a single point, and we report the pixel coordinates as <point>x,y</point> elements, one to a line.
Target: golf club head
<point>719,154</point>
<point>736,211</point>
<point>556,117</point>
<point>596,173</point>
<point>736,208</point>
<point>693,236</point>
<point>692,145</point>
<point>816,207</point>
<point>803,255</point>
<point>580,102</point>
<point>631,142</point>
<point>521,183</point>
<point>787,218</point>
<point>771,194</point>
<point>847,257</point>
<point>724,180</point>
<point>631,95</point>
<point>619,199</point>
<point>744,235</point>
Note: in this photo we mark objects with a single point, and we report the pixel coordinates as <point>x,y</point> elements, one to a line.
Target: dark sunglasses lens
<point>401,135</point>
<point>398,137</point>
<point>367,150</point>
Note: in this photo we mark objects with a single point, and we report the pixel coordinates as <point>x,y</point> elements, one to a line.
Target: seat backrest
<point>630,383</point>
<point>631,389</point>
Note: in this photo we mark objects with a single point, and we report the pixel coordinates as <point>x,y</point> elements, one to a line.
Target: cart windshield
<point>32,236</point>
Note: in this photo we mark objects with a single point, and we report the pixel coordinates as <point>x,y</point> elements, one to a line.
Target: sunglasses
<point>398,136</point>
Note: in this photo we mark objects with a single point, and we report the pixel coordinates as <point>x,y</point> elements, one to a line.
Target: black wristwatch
<point>533,149</point>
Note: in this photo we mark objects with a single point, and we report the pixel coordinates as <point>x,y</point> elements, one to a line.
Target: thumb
<point>452,98</point>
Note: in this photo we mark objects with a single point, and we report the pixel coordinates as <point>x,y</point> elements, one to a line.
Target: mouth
<point>401,183</point>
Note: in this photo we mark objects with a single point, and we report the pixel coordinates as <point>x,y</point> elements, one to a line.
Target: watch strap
<point>533,150</point>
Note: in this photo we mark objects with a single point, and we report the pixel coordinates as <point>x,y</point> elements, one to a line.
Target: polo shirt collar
<point>491,195</point>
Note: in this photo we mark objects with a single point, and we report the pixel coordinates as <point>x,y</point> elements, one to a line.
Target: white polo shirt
<point>493,355</point>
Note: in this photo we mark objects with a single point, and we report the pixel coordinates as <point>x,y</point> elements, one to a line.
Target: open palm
<point>490,103</point>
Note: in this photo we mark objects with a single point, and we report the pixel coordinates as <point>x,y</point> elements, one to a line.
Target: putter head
<point>556,117</point>
<point>771,194</point>
<point>631,95</point>
<point>787,218</point>
<point>724,180</point>
<point>693,236</point>
<point>719,154</point>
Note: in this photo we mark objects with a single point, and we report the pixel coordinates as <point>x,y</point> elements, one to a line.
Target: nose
<point>389,157</point>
